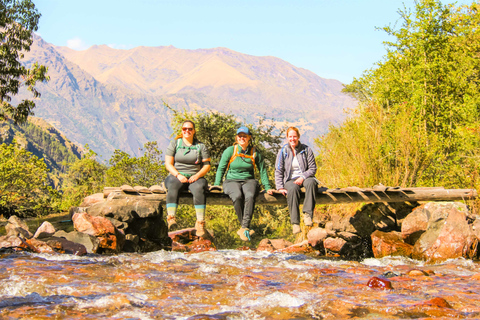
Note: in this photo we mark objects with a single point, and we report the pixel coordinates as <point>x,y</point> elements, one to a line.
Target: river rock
<point>62,245</point>
<point>379,283</point>
<point>90,242</point>
<point>389,244</point>
<point>335,245</point>
<point>110,238</point>
<point>316,236</point>
<point>448,234</point>
<point>475,227</point>
<point>273,244</point>
<point>92,199</point>
<point>13,243</point>
<point>45,230</point>
<point>39,246</point>
<point>416,223</point>
<point>17,227</point>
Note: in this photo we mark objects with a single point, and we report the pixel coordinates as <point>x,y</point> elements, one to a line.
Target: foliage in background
<point>24,188</point>
<point>418,115</point>
<point>218,130</point>
<point>18,19</point>
<point>147,170</point>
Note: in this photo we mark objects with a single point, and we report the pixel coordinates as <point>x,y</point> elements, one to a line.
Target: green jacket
<point>241,168</point>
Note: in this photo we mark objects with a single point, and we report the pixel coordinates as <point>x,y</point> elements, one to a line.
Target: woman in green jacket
<point>239,162</point>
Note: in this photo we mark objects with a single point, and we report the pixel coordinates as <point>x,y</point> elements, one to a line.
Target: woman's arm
<point>169,165</point>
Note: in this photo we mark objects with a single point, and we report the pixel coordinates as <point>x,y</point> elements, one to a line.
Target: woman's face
<point>292,138</point>
<point>243,139</point>
<point>188,130</point>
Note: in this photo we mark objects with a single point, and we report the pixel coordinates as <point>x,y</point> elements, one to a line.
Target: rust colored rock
<point>475,227</point>
<point>45,230</point>
<point>379,283</point>
<point>389,244</point>
<point>92,199</point>
<point>110,238</point>
<point>415,224</point>
<point>17,227</point>
<point>39,246</point>
<point>334,245</point>
<point>62,245</point>
<point>273,244</point>
<point>200,245</point>
<point>183,236</point>
<point>13,243</point>
<point>316,236</point>
<point>437,302</point>
<point>244,248</point>
<point>417,273</point>
<point>90,242</point>
<point>448,234</point>
<point>179,247</point>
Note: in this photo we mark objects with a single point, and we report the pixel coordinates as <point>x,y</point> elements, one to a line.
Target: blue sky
<point>336,39</point>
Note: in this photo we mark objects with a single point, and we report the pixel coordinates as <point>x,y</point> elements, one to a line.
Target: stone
<point>110,238</point>
<point>448,234</point>
<point>389,244</point>
<point>62,245</point>
<point>45,230</point>
<point>127,188</point>
<point>39,246</point>
<point>157,189</point>
<point>335,245</point>
<point>200,245</point>
<point>475,228</point>
<point>316,236</point>
<point>92,199</point>
<point>127,209</point>
<point>415,224</point>
<point>90,242</point>
<point>13,243</point>
<point>17,227</point>
<point>437,302</point>
<point>379,283</point>
<point>273,244</point>
<point>142,189</point>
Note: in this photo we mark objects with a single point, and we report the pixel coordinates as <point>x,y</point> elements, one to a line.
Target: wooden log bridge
<point>324,196</point>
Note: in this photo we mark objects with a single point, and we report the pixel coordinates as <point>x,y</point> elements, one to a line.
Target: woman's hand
<point>193,178</point>
<point>283,191</point>
<point>299,181</point>
<point>270,191</point>
<point>182,178</point>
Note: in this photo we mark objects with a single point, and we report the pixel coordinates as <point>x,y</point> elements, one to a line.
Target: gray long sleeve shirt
<point>283,165</point>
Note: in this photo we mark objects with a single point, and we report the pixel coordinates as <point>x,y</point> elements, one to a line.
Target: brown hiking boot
<point>242,232</point>
<point>251,231</point>
<point>307,220</point>
<point>171,222</point>
<point>296,228</point>
<point>200,228</point>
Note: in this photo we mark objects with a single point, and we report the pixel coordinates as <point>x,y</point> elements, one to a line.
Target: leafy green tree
<point>24,188</point>
<point>218,130</point>
<point>147,170</point>
<point>84,177</point>
<point>18,19</point>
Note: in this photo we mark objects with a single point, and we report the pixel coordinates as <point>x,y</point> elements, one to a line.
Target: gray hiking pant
<point>293,198</point>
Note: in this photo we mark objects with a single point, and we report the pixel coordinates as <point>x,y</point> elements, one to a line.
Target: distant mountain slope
<point>113,99</point>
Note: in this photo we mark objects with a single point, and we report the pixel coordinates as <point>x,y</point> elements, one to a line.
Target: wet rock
<point>17,227</point>
<point>176,246</point>
<point>90,242</point>
<point>300,248</point>
<point>334,245</point>
<point>437,302</point>
<point>92,199</point>
<point>62,245</point>
<point>183,236</point>
<point>45,230</point>
<point>475,227</point>
<point>389,244</point>
<point>110,238</point>
<point>448,234</point>
<point>415,224</point>
<point>273,244</point>
<point>200,245</point>
<point>316,236</point>
<point>379,283</point>
<point>417,273</point>
<point>13,243</point>
<point>39,246</point>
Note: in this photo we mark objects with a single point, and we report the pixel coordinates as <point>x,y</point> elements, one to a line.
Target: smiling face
<point>292,138</point>
<point>243,140</point>
<point>188,130</point>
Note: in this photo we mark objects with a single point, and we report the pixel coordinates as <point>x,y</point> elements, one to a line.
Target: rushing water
<point>231,284</point>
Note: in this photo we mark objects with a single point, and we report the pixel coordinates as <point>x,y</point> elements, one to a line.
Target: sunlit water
<point>230,284</point>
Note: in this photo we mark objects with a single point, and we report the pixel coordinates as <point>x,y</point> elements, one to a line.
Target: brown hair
<point>180,135</point>
<point>294,129</point>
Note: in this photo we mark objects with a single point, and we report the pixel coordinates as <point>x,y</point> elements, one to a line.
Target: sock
<point>172,209</point>
<point>200,211</point>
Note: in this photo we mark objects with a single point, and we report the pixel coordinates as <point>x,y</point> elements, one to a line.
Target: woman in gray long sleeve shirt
<point>295,168</point>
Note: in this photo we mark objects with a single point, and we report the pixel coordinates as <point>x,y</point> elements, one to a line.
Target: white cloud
<point>77,44</point>
<point>121,46</point>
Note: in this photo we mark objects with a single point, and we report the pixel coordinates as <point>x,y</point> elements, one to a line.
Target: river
<point>232,284</point>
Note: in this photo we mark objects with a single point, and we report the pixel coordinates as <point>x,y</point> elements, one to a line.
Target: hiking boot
<point>171,222</point>
<point>296,228</point>
<point>244,234</point>
<point>251,231</point>
<point>307,220</point>
<point>200,228</point>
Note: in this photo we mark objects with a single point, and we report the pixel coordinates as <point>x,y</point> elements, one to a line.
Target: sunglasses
<point>187,129</point>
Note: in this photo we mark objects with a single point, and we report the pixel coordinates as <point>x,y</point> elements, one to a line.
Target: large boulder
<point>416,223</point>
<point>90,242</point>
<point>45,230</point>
<point>92,199</point>
<point>448,234</point>
<point>316,236</point>
<point>389,244</point>
<point>17,227</point>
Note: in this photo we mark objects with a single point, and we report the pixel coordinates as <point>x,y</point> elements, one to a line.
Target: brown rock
<point>437,302</point>
<point>200,245</point>
<point>110,238</point>
<point>45,230</point>
<point>157,189</point>
<point>62,245</point>
<point>16,227</point>
<point>92,199</point>
<point>475,227</point>
<point>448,234</point>
<point>273,244</point>
<point>90,242</point>
<point>389,244</point>
<point>415,224</point>
<point>39,246</point>
<point>316,236</point>
<point>14,243</point>
<point>379,283</point>
<point>334,245</point>
<point>127,188</point>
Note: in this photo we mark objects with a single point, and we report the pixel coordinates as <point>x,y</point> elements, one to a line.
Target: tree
<point>147,170</point>
<point>218,130</point>
<point>18,19</point>
<point>24,188</point>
